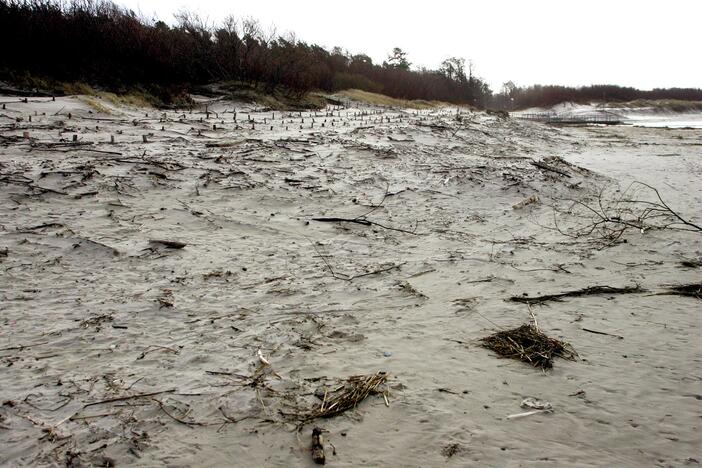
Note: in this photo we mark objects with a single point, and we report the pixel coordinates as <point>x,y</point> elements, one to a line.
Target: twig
<point>590,291</point>
<point>130,397</point>
<point>602,333</point>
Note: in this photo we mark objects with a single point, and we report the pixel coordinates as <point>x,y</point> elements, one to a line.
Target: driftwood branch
<point>589,291</point>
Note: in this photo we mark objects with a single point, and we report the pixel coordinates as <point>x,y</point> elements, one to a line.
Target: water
<point>664,120</point>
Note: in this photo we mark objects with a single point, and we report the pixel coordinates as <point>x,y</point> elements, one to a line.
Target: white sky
<point>643,43</point>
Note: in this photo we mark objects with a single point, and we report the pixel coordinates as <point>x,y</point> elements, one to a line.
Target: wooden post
<point>112,139</point>
<point>75,138</point>
<point>25,135</point>
<point>144,139</point>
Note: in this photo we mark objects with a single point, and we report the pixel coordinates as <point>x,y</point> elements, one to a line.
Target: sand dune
<point>118,349</point>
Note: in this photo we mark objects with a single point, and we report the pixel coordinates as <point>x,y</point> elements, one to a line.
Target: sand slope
<point>92,310</point>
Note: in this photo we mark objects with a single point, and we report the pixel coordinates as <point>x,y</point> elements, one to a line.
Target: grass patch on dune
<point>132,99</point>
<point>94,103</point>
<point>100,101</point>
<point>383,100</point>
<point>279,98</point>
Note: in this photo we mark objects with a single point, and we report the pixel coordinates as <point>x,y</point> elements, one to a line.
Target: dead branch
<point>590,291</point>
<point>546,167</point>
<point>363,222</point>
<point>608,219</point>
<point>130,397</point>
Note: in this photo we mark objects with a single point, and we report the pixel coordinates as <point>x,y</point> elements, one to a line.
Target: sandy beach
<point>176,297</point>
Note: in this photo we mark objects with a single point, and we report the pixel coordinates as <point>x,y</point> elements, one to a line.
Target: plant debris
<point>451,449</point>
<point>171,244</point>
<point>348,395</point>
<point>590,291</point>
<point>529,344</point>
<point>689,290</point>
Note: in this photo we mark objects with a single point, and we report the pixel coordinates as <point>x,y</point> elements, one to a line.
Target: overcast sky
<point>643,43</point>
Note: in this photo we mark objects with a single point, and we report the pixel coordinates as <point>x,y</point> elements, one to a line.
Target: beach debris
<point>537,407</point>
<point>546,167</point>
<point>533,403</point>
<point>602,333</point>
<point>364,222</point>
<point>608,216</point>
<point>171,244</point>
<point>525,202</point>
<point>166,299</point>
<point>589,291</point>
<point>689,290</point>
<point>529,344</point>
<point>348,395</point>
<point>691,263</point>
<point>522,415</point>
<point>261,358</point>
<point>318,446</point>
<point>451,449</point>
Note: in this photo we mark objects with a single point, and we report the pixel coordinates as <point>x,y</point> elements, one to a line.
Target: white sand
<point>83,295</point>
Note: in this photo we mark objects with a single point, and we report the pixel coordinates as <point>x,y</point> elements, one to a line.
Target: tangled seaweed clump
<point>529,344</point>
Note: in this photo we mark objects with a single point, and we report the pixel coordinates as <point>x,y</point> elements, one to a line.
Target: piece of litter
<point>528,413</point>
<point>263,360</point>
<point>387,354</point>
<point>536,404</point>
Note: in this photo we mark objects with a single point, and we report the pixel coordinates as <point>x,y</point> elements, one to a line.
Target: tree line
<point>513,97</point>
<point>100,43</point>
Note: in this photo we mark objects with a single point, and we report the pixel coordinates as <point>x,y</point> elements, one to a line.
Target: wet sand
<point>94,311</point>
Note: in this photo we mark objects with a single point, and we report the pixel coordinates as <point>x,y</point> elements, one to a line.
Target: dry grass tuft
<point>132,99</point>
<point>95,104</point>
<point>382,100</point>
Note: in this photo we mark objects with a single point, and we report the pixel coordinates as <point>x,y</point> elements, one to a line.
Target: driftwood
<point>589,291</point>
<point>169,243</point>
<point>546,167</point>
<point>608,219</point>
<point>364,221</point>
<point>318,446</point>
